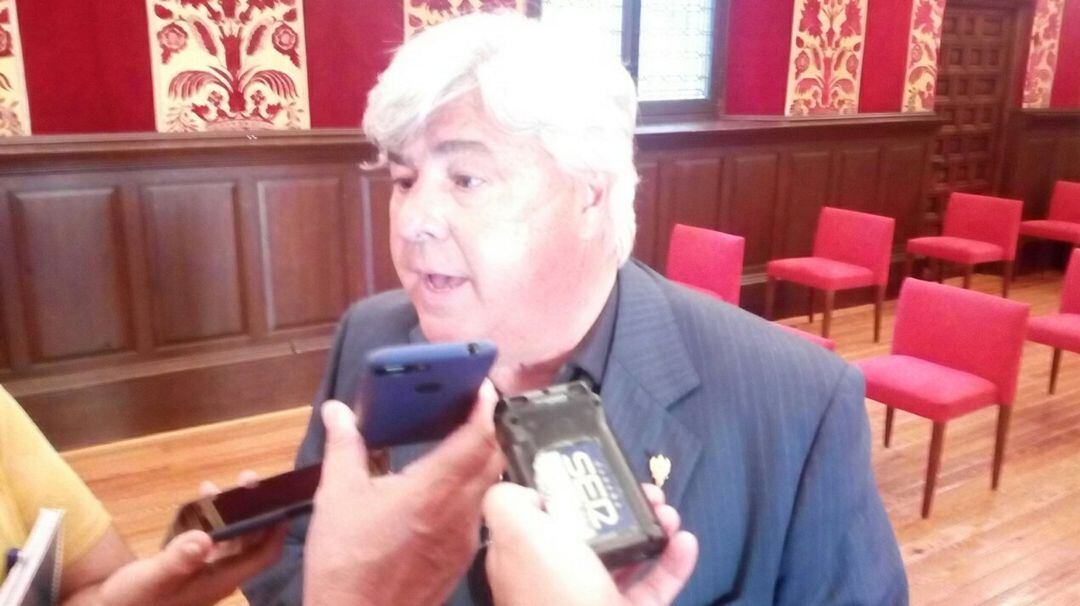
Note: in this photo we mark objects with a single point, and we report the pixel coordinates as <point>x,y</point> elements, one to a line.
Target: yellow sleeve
<point>34,476</point>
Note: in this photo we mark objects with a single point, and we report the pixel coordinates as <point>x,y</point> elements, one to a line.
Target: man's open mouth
<point>442,282</point>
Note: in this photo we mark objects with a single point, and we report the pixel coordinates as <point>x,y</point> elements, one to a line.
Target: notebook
<point>33,578</point>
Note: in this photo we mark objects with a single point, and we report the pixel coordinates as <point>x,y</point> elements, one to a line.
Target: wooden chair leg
<point>1004,414</point>
<point>770,297</point>
<point>1006,278</point>
<point>810,304</point>
<point>933,463</point>
<point>830,298</point>
<point>968,271</point>
<point>889,411</point>
<point>1055,366</point>
<point>879,303</point>
<point>1020,242</point>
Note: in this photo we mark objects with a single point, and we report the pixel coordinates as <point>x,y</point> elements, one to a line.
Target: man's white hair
<point>535,79</point>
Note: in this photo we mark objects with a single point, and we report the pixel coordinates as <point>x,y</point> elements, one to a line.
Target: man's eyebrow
<point>451,146</point>
<point>445,148</point>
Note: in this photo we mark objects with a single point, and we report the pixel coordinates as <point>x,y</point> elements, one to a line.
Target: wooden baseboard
<point>75,411</point>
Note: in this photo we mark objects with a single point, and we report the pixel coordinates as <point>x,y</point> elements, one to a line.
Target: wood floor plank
<point>1017,545</point>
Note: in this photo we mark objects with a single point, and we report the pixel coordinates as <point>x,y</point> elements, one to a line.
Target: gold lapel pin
<point>660,468</point>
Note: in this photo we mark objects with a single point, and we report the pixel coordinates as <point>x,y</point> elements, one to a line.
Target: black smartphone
<point>244,509</point>
<point>421,392</point>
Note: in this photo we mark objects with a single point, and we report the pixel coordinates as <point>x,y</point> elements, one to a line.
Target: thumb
<point>513,512</point>
<point>344,451</point>
<point>184,556</point>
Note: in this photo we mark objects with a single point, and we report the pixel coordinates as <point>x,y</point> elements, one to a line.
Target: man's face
<point>490,238</point>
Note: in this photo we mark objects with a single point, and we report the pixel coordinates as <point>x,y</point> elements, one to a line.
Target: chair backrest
<point>963,329</point>
<point>1070,289</point>
<point>856,238</point>
<point>706,259</point>
<point>1065,202</point>
<point>985,218</point>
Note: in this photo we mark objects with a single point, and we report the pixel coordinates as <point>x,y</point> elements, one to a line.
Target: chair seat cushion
<point>929,390</point>
<point>828,344</point>
<point>1060,331</point>
<point>820,273</point>
<point>1064,231</point>
<point>957,250</point>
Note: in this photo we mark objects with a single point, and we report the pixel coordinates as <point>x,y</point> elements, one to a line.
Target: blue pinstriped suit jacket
<point>767,435</point>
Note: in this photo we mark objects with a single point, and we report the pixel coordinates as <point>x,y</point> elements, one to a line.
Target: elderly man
<point>511,151</point>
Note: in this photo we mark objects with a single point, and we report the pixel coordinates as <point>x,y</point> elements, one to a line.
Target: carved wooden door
<point>972,93</point>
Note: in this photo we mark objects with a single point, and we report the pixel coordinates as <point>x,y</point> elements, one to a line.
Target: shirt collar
<point>588,361</point>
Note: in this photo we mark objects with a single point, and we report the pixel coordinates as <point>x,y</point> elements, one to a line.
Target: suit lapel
<point>649,371</point>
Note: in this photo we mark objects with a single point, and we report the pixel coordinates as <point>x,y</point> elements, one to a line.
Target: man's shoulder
<point>389,311</point>
<point>376,321</point>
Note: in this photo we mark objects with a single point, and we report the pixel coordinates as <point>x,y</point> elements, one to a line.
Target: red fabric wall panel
<point>1066,91</point>
<point>888,24</point>
<point>87,67</point>
<point>349,42</point>
<point>88,64</point>
<point>759,47</point>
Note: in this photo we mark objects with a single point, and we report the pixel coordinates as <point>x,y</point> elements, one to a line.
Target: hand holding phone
<point>244,509</point>
<point>409,393</point>
<point>419,528</point>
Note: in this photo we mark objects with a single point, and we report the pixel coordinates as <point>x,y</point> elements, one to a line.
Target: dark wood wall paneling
<point>69,250</point>
<point>1043,147</point>
<point>767,181</point>
<point>151,282</point>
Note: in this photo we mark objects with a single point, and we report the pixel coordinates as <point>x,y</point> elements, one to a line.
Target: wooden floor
<point>1018,545</point>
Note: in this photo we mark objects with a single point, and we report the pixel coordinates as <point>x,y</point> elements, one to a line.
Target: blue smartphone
<point>420,393</point>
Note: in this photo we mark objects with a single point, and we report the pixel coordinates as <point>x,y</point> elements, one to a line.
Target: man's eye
<point>403,184</point>
<point>467,181</point>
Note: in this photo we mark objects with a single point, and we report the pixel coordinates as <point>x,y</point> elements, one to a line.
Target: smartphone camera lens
<point>473,348</point>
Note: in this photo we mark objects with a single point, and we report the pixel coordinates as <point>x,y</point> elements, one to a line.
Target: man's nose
<point>421,212</point>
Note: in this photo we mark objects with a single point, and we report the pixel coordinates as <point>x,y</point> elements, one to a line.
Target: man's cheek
<point>503,248</point>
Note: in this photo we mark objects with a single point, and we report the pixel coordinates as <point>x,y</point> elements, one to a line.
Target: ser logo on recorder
<point>596,499</point>
<point>580,490</point>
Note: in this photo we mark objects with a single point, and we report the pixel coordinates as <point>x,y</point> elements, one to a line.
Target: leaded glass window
<point>666,44</point>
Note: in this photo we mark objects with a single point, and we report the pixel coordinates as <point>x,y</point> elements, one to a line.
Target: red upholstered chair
<point>706,259</point>
<point>711,261</point>
<point>851,250</point>
<point>1061,330</point>
<point>954,351</point>
<point>977,229</point>
<point>1063,224</point>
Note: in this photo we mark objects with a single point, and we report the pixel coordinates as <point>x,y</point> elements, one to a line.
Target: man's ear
<point>595,195</point>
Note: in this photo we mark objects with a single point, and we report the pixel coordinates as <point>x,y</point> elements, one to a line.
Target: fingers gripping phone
<point>409,393</point>
<point>420,393</point>
<point>243,509</point>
